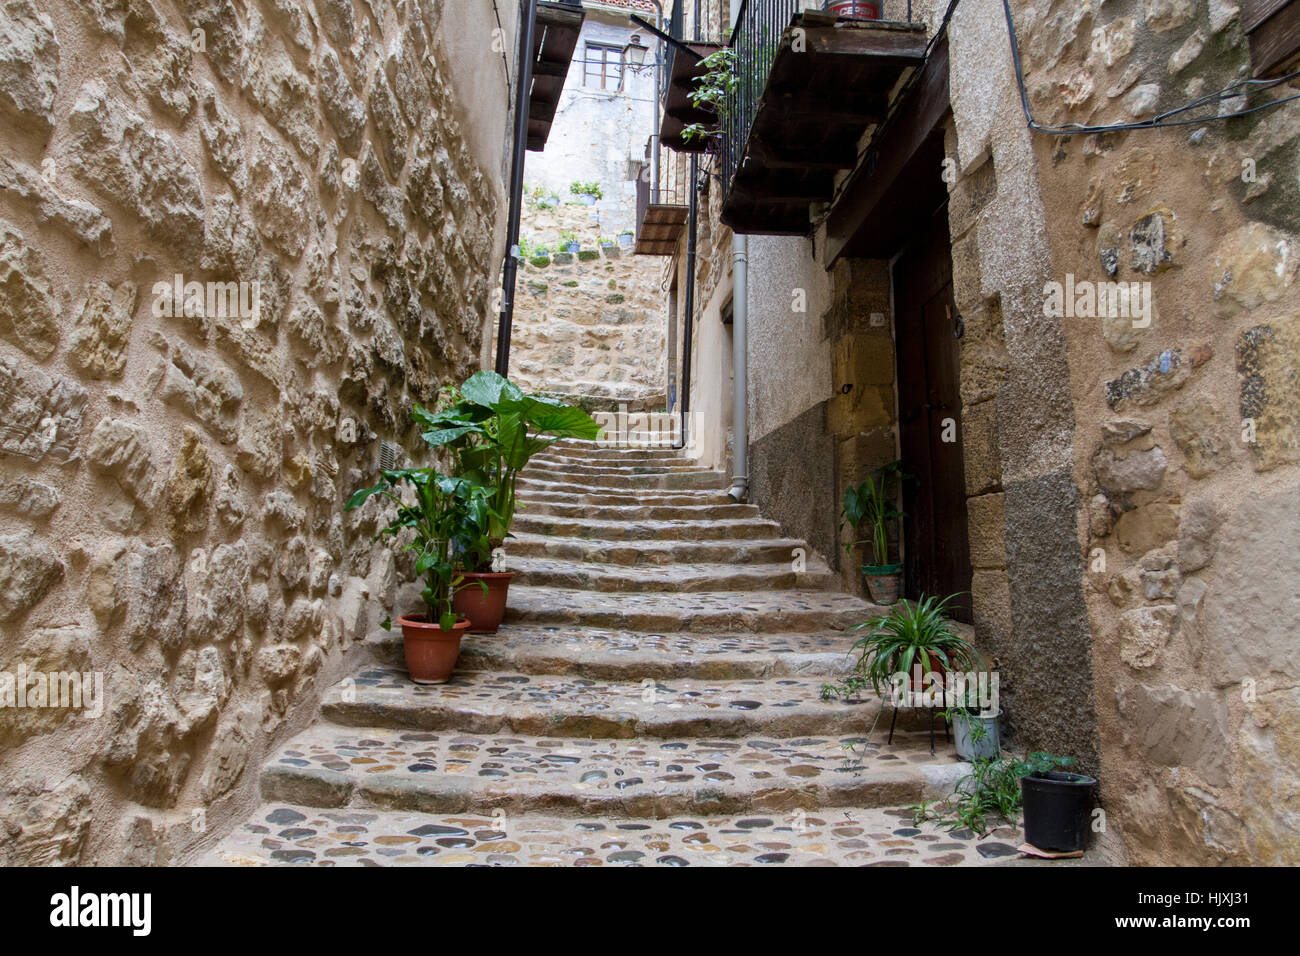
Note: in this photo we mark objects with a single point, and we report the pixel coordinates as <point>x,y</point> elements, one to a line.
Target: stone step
<point>562,705</point>
<point>627,502</point>
<point>589,451</point>
<point>549,469</point>
<point>664,549</point>
<point>773,612</point>
<point>281,835</point>
<point>627,459</point>
<point>584,521</point>
<point>675,578</point>
<point>458,772</point>
<point>589,484</point>
<point>606,654</point>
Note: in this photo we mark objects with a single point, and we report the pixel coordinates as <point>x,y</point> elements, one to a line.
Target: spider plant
<point>912,633</point>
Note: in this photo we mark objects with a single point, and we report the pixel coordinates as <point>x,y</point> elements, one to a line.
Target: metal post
<point>523,91</point>
<point>692,229</point>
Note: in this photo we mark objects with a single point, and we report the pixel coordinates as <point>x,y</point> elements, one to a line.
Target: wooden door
<point>936,549</point>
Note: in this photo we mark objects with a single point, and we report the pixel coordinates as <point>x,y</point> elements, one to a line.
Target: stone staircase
<point>653,698</point>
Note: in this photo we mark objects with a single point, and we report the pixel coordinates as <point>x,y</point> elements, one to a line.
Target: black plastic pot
<point>1058,807</point>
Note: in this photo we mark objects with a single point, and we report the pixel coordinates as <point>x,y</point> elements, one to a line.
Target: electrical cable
<point>501,32</point>
<point>1156,122</point>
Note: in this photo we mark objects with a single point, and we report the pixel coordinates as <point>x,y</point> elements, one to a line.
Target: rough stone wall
<point>172,479</point>
<point>1188,439</point>
<point>590,323</point>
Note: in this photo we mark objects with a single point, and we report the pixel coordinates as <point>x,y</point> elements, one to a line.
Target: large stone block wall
<point>172,478</point>
<point>1186,449</point>
<point>591,323</point>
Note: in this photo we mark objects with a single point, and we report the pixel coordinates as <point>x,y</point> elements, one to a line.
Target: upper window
<point>603,67</point>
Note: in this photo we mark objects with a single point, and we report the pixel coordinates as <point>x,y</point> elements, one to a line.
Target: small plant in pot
<point>446,511</point>
<point>569,241</point>
<point>916,639</point>
<point>977,734</point>
<point>1057,803</point>
<point>493,429</point>
<point>870,508</point>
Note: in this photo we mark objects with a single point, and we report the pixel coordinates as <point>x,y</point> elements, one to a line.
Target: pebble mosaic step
<point>677,578</point>
<point>627,655</point>
<point>458,772</point>
<point>766,612</point>
<point>280,835</point>
<point>579,521</point>
<point>563,705</point>
<point>657,550</point>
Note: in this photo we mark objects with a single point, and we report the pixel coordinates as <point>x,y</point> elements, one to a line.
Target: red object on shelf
<point>855,9</point>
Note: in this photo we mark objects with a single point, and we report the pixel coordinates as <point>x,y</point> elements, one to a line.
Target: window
<point>603,66</point>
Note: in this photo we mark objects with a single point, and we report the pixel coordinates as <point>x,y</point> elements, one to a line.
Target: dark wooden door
<point>936,549</point>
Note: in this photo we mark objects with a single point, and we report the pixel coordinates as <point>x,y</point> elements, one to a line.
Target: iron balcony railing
<point>757,35</point>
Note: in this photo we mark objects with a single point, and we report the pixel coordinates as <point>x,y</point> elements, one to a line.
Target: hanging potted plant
<point>569,241</point>
<point>870,508</point>
<point>1057,803</point>
<point>493,429</point>
<point>588,193</point>
<point>626,239</point>
<point>445,511</point>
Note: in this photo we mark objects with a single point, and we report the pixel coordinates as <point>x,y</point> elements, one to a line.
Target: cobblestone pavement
<point>654,698</point>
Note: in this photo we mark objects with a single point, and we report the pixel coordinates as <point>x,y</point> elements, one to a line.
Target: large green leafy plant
<point>869,508</point>
<point>444,515</point>
<point>493,428</point>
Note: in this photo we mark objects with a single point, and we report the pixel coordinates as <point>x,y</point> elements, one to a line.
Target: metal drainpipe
<point>739,354</point>
<point>692,230</point>
<point>524,86</point>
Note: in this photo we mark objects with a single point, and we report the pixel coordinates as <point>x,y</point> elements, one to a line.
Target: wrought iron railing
<point>755,39</point>
<point>669,188</point>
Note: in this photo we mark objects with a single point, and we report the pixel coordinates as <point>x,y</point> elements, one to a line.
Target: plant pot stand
<point>947,735</point>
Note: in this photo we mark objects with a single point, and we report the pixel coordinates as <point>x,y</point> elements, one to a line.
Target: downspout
<point>523,91</point>
<point>739,352</point>
<point>692,230</point>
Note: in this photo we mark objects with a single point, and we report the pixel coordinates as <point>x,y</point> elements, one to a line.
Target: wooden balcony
<point>558,26</point>
<point>829,82</point>
<point>679,112</point>
<point>661,208</point>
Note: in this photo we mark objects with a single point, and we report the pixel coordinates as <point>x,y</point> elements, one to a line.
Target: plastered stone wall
<point>172,478</point>
<point>1185,450</point>
<point>591,323</point>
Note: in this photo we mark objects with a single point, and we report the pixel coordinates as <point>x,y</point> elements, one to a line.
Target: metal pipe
<point>523,91</point>
<point>692,231</point>
<point>739,350</point>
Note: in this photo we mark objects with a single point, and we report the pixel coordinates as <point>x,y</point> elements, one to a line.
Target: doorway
<point>936,549</point>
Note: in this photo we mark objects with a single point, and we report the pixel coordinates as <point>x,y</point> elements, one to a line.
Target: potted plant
<point>627,239</point>
<point>587,193</point>
<point>977,734</point>
<point>569,241</point>
<point>1057,803</point>
<point>871,506</point>
<point>493,429</point>
<point>912,635</point>
<point>713,86</point>
<point>445,511</point>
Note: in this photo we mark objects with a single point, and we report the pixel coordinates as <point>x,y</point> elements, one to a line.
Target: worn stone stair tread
<point>661,550</point>
<point>544,465</point>
<point>612,654</point>
<point>278,835</point>
<point>579,523</point>
<point>565,705</point>
<point>594,484</point>
<point>452,772</point>
<point>755,611</point>
<point>681,577</point>
<point>637,508</point>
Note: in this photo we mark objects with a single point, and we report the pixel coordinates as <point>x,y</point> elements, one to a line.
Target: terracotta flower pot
<point>884,584</point>
<point>485,609</point>
<point>431,652</point>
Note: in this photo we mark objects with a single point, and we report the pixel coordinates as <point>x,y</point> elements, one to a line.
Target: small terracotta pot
<point>431,652</point>
<point>884,588</point>
<point>485,609</point>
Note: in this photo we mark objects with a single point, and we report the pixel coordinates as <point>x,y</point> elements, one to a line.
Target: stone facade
<point>589,323</point>
<point>1132,485</point>
<point>238,239</point>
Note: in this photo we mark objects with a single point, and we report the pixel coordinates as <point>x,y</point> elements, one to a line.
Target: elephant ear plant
<point>493,428</point>
<point>443,514</point>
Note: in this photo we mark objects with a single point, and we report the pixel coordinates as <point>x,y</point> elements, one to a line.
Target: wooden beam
<point>1275,40</point>
<point>916,118</point>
